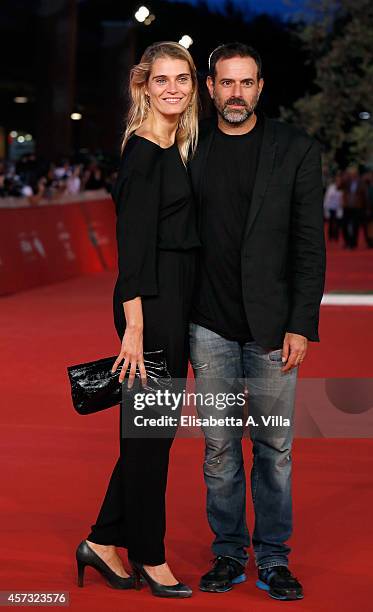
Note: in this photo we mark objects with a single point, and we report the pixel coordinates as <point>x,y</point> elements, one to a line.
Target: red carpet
<point>56,466</point>
<point>349,271</point>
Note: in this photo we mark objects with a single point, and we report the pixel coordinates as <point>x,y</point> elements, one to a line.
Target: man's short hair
<point>233,49</point>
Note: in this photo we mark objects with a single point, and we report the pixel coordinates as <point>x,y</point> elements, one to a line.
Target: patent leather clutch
<point>94,387</point>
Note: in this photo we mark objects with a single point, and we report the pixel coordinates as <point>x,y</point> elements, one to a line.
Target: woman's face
<point>170,86</point>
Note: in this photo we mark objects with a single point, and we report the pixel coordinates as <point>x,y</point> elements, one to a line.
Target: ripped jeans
<point>224,366</point>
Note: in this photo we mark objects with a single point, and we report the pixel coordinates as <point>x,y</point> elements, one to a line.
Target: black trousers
<point>351,224</point>
<point>133,512</point>
<point>334,225</point>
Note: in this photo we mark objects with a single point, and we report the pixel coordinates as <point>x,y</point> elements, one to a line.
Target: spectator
<point>368,216</point>
<point>94,178</point>
<point>333,207</point>
<point>52,185</point>
<point>36,191</point>
<point>26,168</point>
<point>73,183</point>
<point>354,202</point>
<point>62,171</point>
<point>2,178</point>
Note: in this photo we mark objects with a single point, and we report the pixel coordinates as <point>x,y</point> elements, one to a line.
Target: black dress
<point>157,245</point>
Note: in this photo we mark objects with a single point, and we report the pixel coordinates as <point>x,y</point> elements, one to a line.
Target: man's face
<point>353,172</point>
<point>236,89</point>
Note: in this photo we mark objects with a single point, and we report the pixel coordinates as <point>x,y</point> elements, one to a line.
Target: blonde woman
<point>157,245</point>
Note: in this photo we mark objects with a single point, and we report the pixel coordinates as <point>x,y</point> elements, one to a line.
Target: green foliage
<point>339,41</point>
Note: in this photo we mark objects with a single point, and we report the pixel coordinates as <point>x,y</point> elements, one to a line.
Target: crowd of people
<point>35,180</point>
<point>348,200</point>
<point>348,206</point>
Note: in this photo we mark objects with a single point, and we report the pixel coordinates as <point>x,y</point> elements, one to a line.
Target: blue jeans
<point>223,366</point>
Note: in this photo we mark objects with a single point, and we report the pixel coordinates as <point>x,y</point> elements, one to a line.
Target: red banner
<point>40,245</point>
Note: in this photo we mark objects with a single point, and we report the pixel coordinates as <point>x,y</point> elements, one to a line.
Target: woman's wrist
<point>135,326</point>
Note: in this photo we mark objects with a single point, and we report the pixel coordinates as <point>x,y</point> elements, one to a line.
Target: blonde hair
<point>187,130</point>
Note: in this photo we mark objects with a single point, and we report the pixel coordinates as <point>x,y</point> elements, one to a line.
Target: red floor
<point>57,464</point>
<point>349,271</point>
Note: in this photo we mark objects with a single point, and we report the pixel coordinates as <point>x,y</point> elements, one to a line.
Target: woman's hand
<point>132,343</point>
<point>132,353</point>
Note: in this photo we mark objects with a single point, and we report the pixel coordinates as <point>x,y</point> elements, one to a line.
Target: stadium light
<point>20,99</point>
<point>149,19</point>
<point>142,14</point>
<point>186,41</point>
<point>76,116</point>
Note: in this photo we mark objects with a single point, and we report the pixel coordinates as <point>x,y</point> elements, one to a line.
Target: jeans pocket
<point>275,356</point>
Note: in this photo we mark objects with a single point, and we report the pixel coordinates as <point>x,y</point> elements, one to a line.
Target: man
<point>258,186</point>
<point>354,206</point>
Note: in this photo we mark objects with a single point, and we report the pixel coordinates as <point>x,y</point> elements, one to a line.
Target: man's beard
<point>236,116</point>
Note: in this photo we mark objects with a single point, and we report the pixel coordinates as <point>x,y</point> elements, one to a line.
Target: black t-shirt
<point>227,190</point>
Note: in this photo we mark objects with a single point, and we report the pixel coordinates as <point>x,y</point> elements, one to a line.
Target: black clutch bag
<point>94,387</point>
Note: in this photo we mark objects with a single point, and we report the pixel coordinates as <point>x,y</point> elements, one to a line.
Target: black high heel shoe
<point>85,555</point>
<point>179,590</point>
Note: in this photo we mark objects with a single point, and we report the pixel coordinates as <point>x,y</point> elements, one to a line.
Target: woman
<point>157,242</point>
<point>333,207</point>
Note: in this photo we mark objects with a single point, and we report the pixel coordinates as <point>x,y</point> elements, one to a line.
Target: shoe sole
<point>164,596</point>
<point>238,580</point>
<point>265,587</point>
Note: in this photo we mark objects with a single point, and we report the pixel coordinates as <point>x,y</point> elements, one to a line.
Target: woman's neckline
<point>154,143</point>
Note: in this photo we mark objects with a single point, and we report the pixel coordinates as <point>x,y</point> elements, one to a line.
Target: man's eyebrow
<point>242,80</point>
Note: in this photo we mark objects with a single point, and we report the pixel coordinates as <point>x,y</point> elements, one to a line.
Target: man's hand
<point>294,350</point>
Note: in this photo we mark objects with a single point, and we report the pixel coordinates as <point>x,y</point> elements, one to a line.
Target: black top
<point>226,194</point>
<point>177,215</point>
<point>155,210</point>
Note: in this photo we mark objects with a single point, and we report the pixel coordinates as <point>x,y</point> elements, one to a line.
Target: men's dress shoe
<point>85,555</point>
<point>225,573</point>
<point>280,583</point>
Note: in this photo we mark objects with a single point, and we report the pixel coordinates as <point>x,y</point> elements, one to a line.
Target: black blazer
<point>283,249</point>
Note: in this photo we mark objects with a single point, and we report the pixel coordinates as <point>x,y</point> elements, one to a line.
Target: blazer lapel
<point>265,168</point>
<point>201,168</point>
<point>197,171</point>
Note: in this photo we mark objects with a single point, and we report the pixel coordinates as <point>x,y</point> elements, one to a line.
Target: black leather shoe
<point>85,555</point>
<point>280,583</point>
<point>178,590</point>
<point>225,573</point>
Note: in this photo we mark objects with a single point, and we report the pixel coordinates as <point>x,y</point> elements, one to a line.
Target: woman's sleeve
<point>137,206</point>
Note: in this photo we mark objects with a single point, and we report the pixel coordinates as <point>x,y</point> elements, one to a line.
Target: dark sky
<point>283,8</point>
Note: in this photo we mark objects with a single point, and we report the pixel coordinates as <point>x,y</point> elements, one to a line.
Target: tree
<point>339,40</point>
